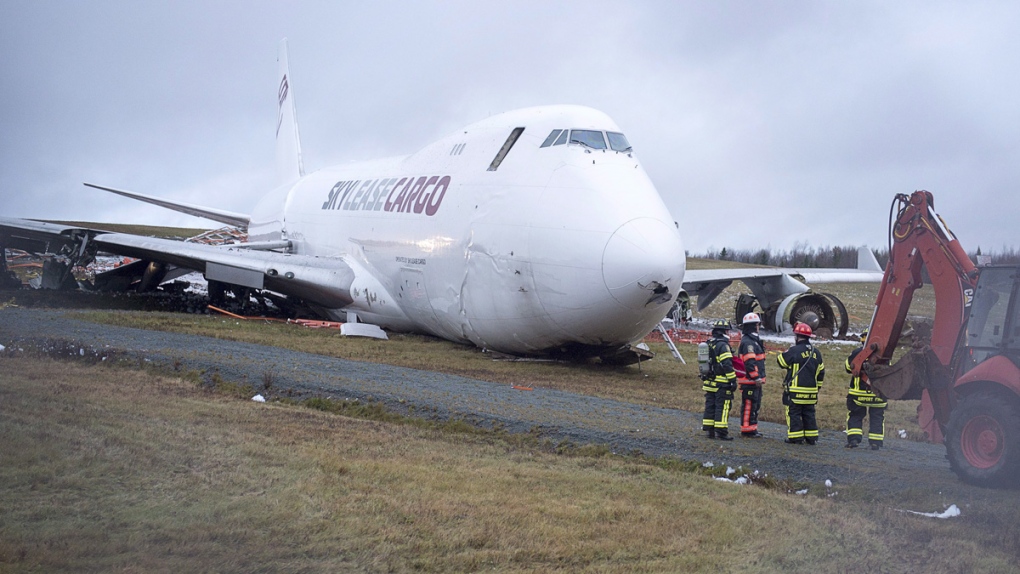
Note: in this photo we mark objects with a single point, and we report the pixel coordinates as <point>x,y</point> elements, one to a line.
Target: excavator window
<point>1013,335</point>
<point>987,328</point>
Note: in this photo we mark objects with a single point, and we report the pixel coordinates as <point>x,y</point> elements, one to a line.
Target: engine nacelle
<point>823,312</point>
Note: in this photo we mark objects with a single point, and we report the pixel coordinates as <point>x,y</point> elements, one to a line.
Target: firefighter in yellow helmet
<point>861,401</point>
<point>751,378</point>
<point>719,384</point>
<point>805,372</point>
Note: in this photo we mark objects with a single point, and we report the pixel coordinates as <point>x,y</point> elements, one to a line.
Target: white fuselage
<point>559,246</point>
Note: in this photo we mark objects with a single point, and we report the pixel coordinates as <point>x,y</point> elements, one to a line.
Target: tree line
<point>839,257</point>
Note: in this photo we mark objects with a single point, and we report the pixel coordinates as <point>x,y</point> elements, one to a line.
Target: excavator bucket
<point>902,380</point>
<point>917,370</point>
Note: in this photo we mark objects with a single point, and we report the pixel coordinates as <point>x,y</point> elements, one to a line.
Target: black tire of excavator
<point>983,439</point>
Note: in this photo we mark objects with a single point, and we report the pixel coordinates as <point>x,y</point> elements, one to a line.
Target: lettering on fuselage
<point>422,194</point>
<point>411,260</point>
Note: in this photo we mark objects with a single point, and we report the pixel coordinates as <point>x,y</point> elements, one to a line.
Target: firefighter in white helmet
<point>751,378</point>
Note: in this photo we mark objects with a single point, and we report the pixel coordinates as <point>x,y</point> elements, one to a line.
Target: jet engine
<point>823,312</point>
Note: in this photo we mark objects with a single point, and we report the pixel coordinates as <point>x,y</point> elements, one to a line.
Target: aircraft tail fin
<point>288,141</point>
<point>866,260</point>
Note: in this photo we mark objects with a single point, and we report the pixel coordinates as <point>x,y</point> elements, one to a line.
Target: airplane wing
<point>223,216</point>
<point>323,281</point>
<point>781,291</point>
<point>767,283</point>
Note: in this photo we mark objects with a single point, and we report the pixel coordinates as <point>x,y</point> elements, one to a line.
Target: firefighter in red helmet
<point>751,379</point>
<point>805,372</point>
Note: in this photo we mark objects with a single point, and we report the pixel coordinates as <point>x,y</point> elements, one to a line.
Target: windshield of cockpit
<point>593,139</point>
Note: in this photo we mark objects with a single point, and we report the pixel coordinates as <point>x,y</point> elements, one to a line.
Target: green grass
<point>108,469</point>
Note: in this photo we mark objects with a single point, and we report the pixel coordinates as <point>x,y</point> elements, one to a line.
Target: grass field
<point>111,469</point>
<point>662,381</point>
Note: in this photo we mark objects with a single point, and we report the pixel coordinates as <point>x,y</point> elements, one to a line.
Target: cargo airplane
<point>535,231</point>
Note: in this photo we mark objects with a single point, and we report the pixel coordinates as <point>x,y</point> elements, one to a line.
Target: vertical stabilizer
<point>288,142</point>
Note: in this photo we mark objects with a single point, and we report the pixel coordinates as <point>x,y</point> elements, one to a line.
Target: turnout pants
<point>800,422</point>
<point>750,405</point>
<point>855,422</point>
<point>717,411</point>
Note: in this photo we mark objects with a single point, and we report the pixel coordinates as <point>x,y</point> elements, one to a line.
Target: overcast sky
<point>762,124</point>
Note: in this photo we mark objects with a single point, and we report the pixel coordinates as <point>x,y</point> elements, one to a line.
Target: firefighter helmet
<point>802,329</point>
<point>721,325</point>
<point>864,334</point>
<point>751,318</point>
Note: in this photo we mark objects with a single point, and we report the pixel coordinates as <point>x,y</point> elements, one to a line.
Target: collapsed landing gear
<point>982,440</point>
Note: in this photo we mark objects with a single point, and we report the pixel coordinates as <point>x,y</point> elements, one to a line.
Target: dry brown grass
<point>107,469</point>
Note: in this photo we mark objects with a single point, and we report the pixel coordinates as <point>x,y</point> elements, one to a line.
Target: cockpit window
<point>590,138</point>
<point>593,139</point>
<point>618,142</point>
<point>552,137</point>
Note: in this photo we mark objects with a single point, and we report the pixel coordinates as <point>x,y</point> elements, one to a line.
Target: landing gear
<point>983,440</point>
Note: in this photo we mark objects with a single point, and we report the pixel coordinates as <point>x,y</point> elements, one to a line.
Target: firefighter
<point>861,401</point>
<point>719,384</point>
<point>805,372</point>
<point>752,353</point>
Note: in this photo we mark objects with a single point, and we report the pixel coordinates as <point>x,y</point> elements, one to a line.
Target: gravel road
<point>626,427</point>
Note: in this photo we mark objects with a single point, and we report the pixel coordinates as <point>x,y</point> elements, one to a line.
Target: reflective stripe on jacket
<point>721,358</point>
<point>753,354</point>
<point>860,390</point>
<point>805,372</point>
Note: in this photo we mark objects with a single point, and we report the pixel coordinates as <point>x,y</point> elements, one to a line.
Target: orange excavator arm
<point>918,236</point>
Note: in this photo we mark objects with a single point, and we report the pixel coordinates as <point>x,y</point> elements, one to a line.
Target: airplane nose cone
<point>643,263</point>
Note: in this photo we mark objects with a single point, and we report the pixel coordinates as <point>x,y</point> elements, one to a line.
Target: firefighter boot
<point>723,434</point>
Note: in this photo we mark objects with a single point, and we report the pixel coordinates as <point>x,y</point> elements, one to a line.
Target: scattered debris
<point>362,330</point>
<point>903,433</point>
<point>801,492</point>
<point>950,512</point>
<point>259,399</point>
<point>708,464</point>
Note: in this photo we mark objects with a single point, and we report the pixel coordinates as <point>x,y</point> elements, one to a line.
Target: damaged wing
<point>324,281</point>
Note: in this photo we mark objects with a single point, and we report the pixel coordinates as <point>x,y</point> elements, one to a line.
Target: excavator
<point>963,366</point>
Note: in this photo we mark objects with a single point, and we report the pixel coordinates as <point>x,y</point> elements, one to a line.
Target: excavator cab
<point>994,325</point>
<point>983,433</point>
